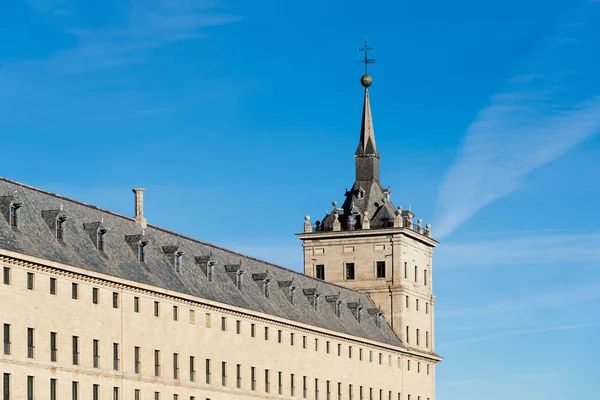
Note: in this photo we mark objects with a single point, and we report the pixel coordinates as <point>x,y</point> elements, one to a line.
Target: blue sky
<point>241,117</point>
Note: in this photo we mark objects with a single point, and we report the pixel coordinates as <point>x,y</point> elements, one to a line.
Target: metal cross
<point>366,60</point>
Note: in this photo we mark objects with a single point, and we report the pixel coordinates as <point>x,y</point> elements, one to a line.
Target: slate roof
<point>35,237</point>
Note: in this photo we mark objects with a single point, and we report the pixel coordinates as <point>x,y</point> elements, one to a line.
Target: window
<point>338,308</point>
<point>303,342</point>
<point>100,240</point>
<point>407,302</point>
<point>30,388</point>
<point>75,348</point>
<point>7,339</point>
<point>52,285</point>
<point>360,354</point>
<point>175,366</point>
<point>74,291</point>
<point>96,353</point>
<point>115,393</point>
<point>328,390</point>
<point>416,272</point>
<point>238,327</point>
<point>427,368</point>
<point>6,386</point>
<point>316,344</point>
<point>381,269</point>
<point>6,275</point>
<point>14,216</point>
<point>349,271</point>
<point>177,260</point>
<point>208,371</point>
<point>192,369</point>
<point>156,308</point>
<point>407,334</point>
<point>252,378</point>
<point>95,293</point>
<point>405,270</point>
<point>239,279</point>
<point>156,395</point>
<point>380,358</point>
<point>418,367</point>
<point>208,323</point>
<point>427,339</point>
<point>408,365</point>
<point>96,392</point>
<point>320,272</point>
<point>350,392</point>
<point>266,333</point>
<point>425,277</point>
<point>292,386</point>
<point>418,337</point>
<point>339,391</point>
<point>156,362</point>
<point>75,390</point>
<point>304,387</point>
<point>291,338</point>
<point>252,330</point>
<point>116,356</point>
<point>370,355</point>
<point>279,335</point>
<point>238,376</point>
<point>223,323</point>
<point>30,343</point>
<point>115,298</point>
<point>316,389</point>
<point>136,360</point>
<point>52,389</point>
<point>136,304</point>
<point>30,280</point>
<point>53,347</point>
<point>175,313</point>
<point>60,229</point>
<point>339,346</point>
<point>136,394</point>
<point>141,252</point>
<point>192,317</point>
<point>327,347</point>
<point>210,271</point>
<point>426,308</point>
<point>267,287</point>
<point>279,382</point>
<point>267,381</point>
<point>349,351</point>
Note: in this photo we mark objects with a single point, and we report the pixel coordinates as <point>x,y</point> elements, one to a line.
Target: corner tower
<point>371,246</point>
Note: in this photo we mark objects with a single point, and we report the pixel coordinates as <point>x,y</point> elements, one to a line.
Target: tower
<point>369,245</point>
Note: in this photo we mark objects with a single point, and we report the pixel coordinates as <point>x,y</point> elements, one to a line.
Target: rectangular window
<point>407,302</point>
<point>52,389</point>
<point>6,275</point>
<point>418,337</point>
<point>316,389</point>
<point>328,390</point>
<point>30,343</point>
<point>339,346</point>
<point>116,356</point>
<point>425,277</point>
<point>316,344</point>
<point>360,354</point>
<point>252,330</point>
<point>136,360</point>
<point>75,390</point>
<point>426,308</point>
<point>339,391</point>
<point>304,387</point>
<point>192,317</point>
<point>320,272</point>
<point>427,368</point>
<point>266,333</point>
<point>349,271</point>
<point>407,334</point>
<point>427,339</point>
<point>208,371</point>
<point>192,369</point>
<point>156,362</point>
<point>238,376</point>
<point>96,392</point>
<point>115,393</point>
<point>95,293</point>
<point>223,323</point>
<point>30,280</point>
<point>279,335</point>
<point>381,269</point>
<point>53,347</point>
<point>303,342</point>
<point>14,216</point>
<point>175,366</point>
<point>156,395</point>
<point>418,367</point>
<point>416,272</point>
<point>52,285</point>
<point>30,388</point>
<point>360,392</point>
<point>208,322</point>
<point>141,253</point>
<point>416,304</point>
<point>279,382</point>
<point>96,353</point>
<point>349,351</point>
<point>380,358</point>
<point>136,304</point>
<point>136,394</point>
<point>408,365</point>
<point>74,291</point>
<point>370,355</point>
<point>291,338</point>
<point>115,298</point>
<point>252,378</point>
<point>327,347</point>
<point>267,381</point>
<point>292,385</point>
<point>6,339</point>
<point>75,348</point>
<point>238,327</point>
<point>156,308</point>
<point>6,386</point>
<point>175,313</point>
<point>223,373</point>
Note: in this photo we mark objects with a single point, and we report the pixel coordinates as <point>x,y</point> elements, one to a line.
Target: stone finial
<point>334,204</point>
<point>428,231</point>
<point>420,225</point>
<point>398,218</point>
<point>139,207</point>
<point>366,223</point>
<point>336,223</point>
<point>307,224</point>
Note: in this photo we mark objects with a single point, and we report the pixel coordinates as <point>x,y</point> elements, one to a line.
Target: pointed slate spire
<point>367,156</point>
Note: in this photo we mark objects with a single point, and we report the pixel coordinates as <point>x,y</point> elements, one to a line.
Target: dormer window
<point>210,271</point>
<point>60,229</point>
<point>378,318</point>
<point>316,302</point>
<point>100,240</point>
<point>177,260</point>
<point>358,312</point>
<point>338,308</point>
<point>14,215</point>
<point>141,252</point>
<point>292,291</point>
<point>267,287</point>
<point>239,279</point>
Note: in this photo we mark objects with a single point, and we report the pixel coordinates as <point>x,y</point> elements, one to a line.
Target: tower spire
<point>367,156</point>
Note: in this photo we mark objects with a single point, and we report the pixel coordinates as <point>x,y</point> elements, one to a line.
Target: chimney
<point>139,207</point>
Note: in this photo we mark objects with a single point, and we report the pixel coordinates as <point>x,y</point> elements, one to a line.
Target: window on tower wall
<point>350,271</point>
<point>320,270</point>
<point>381,269</point>
<point>425,277</point>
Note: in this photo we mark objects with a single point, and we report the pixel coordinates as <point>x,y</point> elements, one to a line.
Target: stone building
<point>100,306</point>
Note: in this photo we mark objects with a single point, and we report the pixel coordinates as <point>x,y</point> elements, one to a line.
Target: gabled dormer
<point>288,289</point>
<point>97,231</point>
<point>138,244</point>
<point>10,207</point>
<point>175,256</point>
<point>56,220</point>
<point>334,299</point>
<point>236,273</point>
<point>207,265</point>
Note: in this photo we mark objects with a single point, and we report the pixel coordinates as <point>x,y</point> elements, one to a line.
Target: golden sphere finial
<point>366,80</point>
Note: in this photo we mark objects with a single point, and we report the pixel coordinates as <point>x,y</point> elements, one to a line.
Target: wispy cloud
<point>517,332</point>
<point>541,115</point>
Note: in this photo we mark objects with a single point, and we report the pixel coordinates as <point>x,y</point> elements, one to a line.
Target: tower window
<point>320,271</point>
<point>426,308</point>
<point>405,270</point>
<point>416,272</point>
<point>425,277</point>
<point>381,269</point>
<point>349,271</point>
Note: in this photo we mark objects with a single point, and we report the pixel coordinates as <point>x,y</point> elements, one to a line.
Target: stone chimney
<point>139,207</point>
